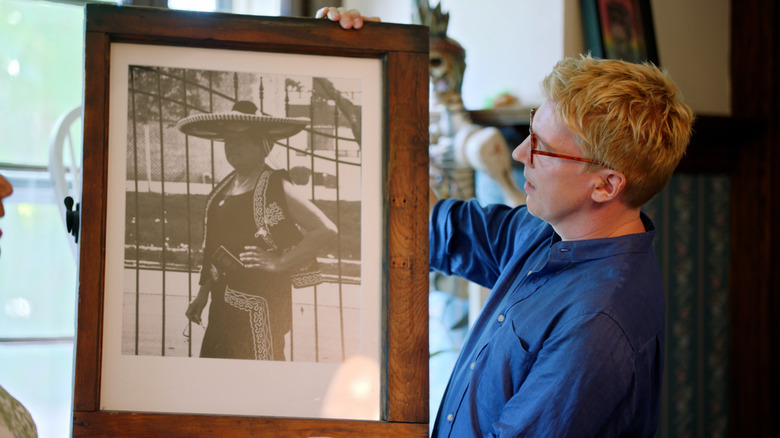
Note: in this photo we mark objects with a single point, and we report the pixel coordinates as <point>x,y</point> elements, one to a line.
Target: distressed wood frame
<point>403,51</point>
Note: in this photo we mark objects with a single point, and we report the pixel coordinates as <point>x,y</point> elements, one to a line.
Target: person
<point>253,248</point>
<point>15,419</point>
<point>570,341</point>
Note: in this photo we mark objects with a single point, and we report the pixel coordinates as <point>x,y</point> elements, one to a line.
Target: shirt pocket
<point>504,363</point>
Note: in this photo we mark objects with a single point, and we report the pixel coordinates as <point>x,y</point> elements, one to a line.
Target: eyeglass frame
<point>535,148</point>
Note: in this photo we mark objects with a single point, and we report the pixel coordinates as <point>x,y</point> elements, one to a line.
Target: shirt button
<point>450,418</point>
<point>473,364</point>
<point>500,318</point>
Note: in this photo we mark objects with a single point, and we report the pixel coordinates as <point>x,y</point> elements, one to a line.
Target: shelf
<point>712,149</point>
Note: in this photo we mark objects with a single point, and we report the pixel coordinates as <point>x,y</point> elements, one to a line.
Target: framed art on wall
<point>620,29</point>
<point>253,236</point>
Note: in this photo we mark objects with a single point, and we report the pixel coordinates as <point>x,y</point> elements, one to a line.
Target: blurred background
<point>510,45</point>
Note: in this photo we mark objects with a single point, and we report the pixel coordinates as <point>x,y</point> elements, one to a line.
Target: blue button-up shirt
<point>570,340</point>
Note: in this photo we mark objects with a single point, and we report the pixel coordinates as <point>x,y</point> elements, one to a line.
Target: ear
<point>609,185</point>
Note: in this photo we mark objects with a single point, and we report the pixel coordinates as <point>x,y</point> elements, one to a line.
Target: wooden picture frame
<point>402,54</point>
<point>619,29</point>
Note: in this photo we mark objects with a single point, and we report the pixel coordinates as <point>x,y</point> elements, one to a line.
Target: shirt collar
<point>563,253</point>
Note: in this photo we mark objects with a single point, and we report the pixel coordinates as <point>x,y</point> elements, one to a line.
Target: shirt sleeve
<point>476,242</point>
<point>581,385</point>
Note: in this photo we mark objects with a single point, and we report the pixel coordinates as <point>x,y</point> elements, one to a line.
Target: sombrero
<point>242,119</point>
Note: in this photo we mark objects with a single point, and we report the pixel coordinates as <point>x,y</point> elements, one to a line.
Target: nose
<point>522,152</point>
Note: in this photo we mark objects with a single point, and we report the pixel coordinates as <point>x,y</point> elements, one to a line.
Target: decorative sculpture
<point>458,146</point>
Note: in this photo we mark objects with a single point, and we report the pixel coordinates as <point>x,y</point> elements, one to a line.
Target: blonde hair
<point>630,116</point>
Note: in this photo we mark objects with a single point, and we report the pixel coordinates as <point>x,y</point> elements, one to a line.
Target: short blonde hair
<point>630,116</point>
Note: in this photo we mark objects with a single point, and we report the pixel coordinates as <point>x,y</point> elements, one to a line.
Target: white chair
<point>64,166</point>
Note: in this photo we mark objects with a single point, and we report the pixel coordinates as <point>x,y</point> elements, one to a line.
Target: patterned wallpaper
<point>692,242</point>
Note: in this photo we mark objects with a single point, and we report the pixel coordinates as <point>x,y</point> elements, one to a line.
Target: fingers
<point>254,258</point>
<point>251,257</point>
<point>351,19</point>
<point>347,18</point>
<point>193,315</point>
<point>195,310</point>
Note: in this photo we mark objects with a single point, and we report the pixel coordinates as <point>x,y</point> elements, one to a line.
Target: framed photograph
<point>254,227</point>
<point>620,29</point>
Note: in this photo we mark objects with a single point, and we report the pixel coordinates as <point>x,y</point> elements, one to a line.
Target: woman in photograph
<point>261,237</point>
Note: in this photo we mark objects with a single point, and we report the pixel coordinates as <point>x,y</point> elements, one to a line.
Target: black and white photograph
<point>240,228</point>
<point>232,211</point>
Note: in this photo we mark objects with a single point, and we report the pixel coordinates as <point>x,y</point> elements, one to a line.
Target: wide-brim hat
<point>241,119</point>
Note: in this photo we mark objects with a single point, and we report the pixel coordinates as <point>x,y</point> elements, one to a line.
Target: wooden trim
<point>408,276</point>
<point>117,424</point>
<point>403,51</point>
<point>754,304</point>
<point>93,225</point>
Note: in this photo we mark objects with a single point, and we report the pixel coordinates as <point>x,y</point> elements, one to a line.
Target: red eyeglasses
<point>535,148</point>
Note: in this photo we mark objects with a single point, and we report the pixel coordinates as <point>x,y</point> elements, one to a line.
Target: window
<point>193,5</point>
<point>41,67</point>
<point>40,75</point>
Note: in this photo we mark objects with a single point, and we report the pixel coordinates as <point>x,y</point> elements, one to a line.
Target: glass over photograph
<point>242,215</point>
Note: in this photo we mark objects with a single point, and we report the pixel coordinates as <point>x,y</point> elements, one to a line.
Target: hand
<point>347,18</point>
<point>195,309</point>
<point>254,258</point>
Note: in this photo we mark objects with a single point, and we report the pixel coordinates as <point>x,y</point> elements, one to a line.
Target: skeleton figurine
<point>457,145</point>
<point>457,148</point>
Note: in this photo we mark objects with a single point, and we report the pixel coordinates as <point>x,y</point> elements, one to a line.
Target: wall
<point>694,39</point>
<point>511,44</point>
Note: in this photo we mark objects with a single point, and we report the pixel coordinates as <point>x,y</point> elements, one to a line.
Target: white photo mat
<point>230,386</point>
